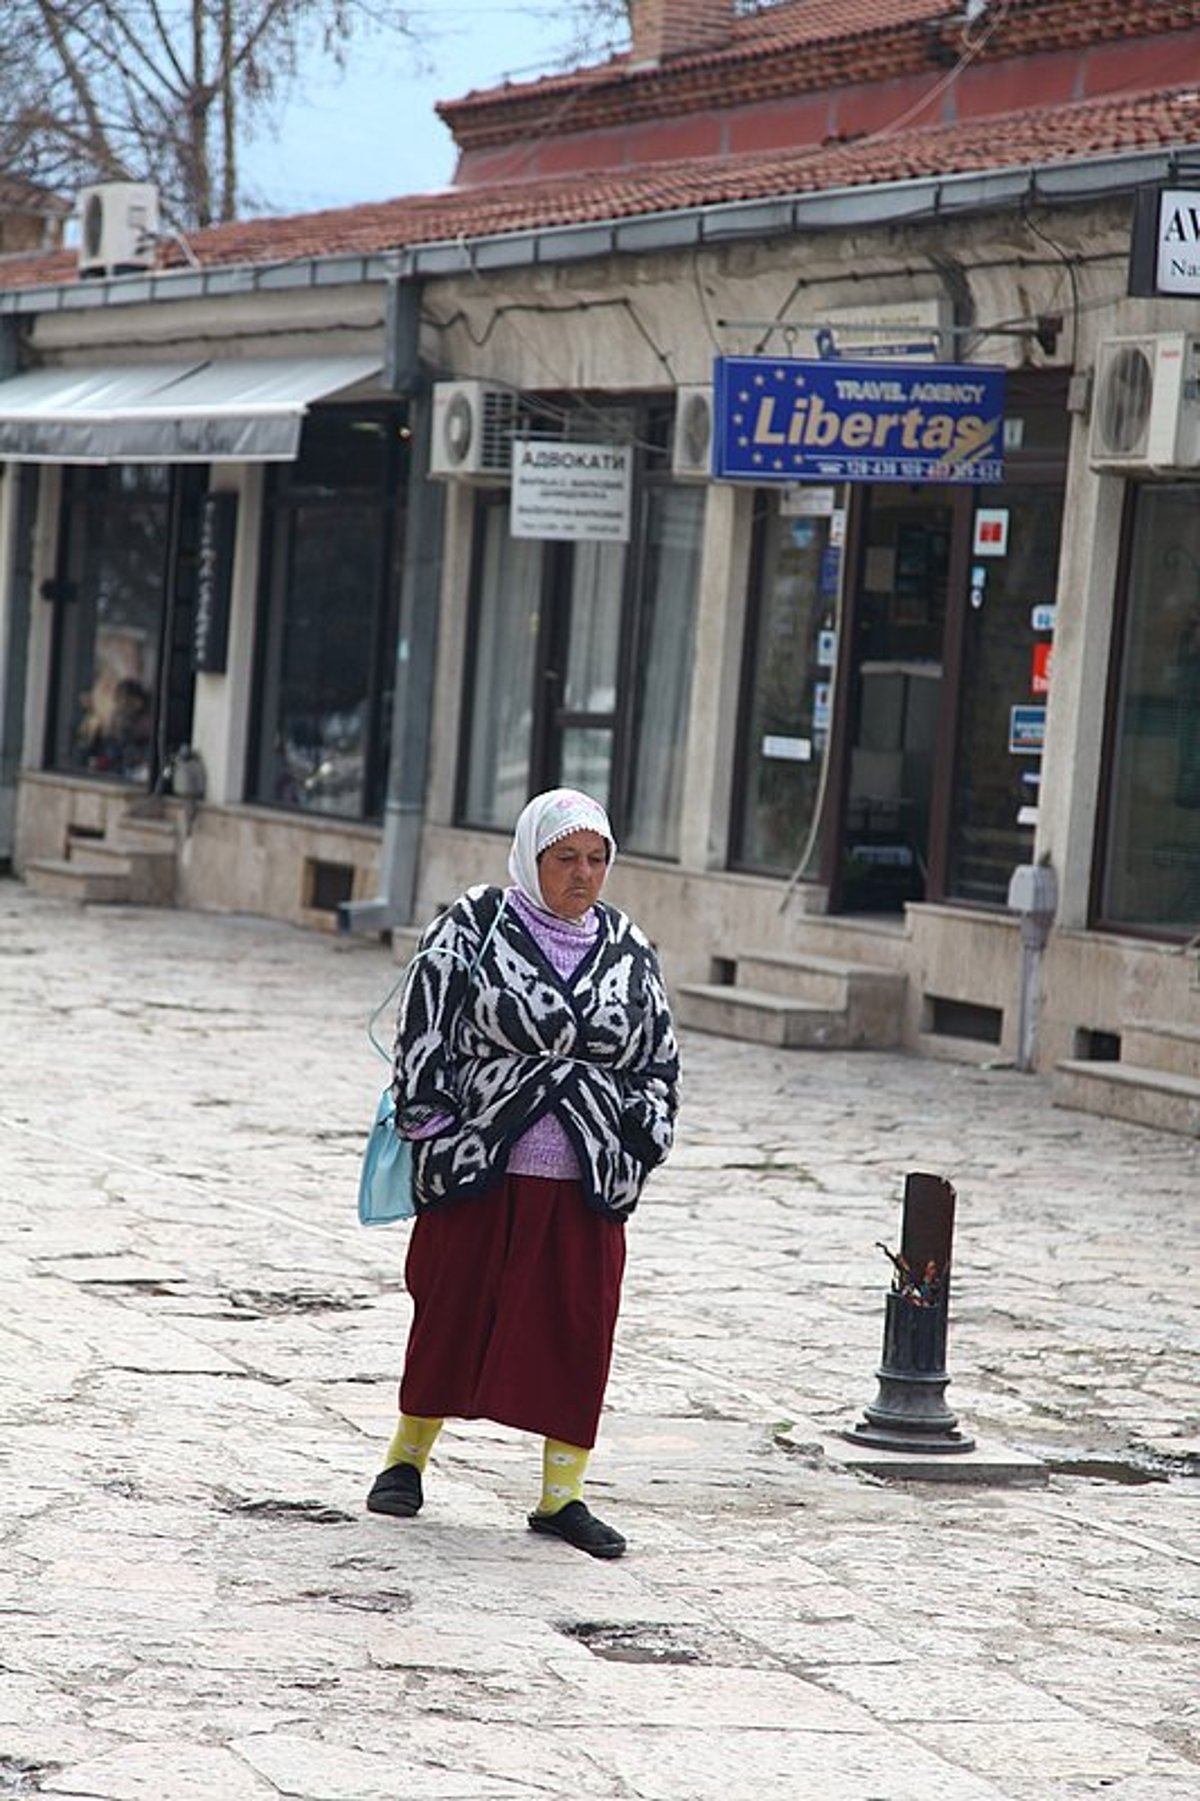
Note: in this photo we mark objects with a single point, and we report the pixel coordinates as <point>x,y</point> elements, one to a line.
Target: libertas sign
<point>787,419</point>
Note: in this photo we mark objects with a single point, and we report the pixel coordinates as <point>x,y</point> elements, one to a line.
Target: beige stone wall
<point>230,859</point>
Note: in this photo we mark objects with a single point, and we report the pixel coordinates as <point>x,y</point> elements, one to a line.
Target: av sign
<point>1165,252</point>
<point>781,419</point>
<point>1179,241</point>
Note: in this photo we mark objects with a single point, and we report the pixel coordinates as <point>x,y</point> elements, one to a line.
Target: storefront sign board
<point>781,419</point>
<point>1165,248</point>
<point>214,582</point>
<point>571,491</point>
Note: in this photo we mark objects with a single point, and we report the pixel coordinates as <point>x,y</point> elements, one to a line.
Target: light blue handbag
<point>385,1177</point>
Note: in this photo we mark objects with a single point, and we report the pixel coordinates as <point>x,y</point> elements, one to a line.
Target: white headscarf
<point>547,818</point>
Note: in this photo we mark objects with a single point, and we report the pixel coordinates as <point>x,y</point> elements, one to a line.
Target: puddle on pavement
<point>1134,1468</point>
<point>22,1776</point>
<point>1101,1469</point>
<point>380,1600</point>
<point>303,1513</point>
<point>644,1642</point>
<point>258,1303</point>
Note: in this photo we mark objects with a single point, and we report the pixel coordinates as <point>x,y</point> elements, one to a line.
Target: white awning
<point>230,411</point>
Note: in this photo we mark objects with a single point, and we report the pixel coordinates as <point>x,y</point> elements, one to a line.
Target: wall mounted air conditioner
<point>118,228</point>
<point>472,433</point>
<point>691,436</point>
<point>1146,404</point>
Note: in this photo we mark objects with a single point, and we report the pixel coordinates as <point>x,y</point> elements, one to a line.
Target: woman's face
<point>571,873</point>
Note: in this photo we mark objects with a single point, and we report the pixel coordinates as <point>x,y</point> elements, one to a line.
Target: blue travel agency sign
<point>786,419</point>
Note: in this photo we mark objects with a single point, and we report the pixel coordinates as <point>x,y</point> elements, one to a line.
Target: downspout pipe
<point>416,642</point>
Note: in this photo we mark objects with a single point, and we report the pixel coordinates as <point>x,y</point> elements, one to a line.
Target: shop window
<point>580,664</point>
<point>790,654</point>
<point>1151,866</point>
<point>331,595</point>
<point>662,683</point>
<point>1004,687</point>
<point>123,594</point>
<point>500,698</point>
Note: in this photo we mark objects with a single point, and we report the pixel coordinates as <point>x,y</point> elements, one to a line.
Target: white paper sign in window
<point>571,491</point>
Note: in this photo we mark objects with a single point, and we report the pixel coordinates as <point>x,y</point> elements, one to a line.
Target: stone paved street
<point>198,1355</point>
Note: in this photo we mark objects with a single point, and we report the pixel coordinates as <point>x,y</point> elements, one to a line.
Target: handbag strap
<point>434,950</point>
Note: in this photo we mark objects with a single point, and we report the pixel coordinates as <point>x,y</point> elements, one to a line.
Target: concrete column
<point>451,651</point>
<point>1070,789</point>
<point>37,668</point>
<point>716,677</point>
<point>10,725</point>
<point>221,719</point>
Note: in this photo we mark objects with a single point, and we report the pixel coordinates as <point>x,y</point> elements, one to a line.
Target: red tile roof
<point>803,46</point>
<point>1041,136</point>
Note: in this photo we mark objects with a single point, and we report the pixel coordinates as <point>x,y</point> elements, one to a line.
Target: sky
<point>371,133</point>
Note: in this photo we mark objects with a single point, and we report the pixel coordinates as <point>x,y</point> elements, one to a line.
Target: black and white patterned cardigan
<point>499,1045</point>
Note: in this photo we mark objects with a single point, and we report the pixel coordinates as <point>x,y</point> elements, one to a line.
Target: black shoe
<point>574,1524</point>
<point>397,1491</point>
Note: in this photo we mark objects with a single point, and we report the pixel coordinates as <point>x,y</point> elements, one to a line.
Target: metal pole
<point>909,1412</point>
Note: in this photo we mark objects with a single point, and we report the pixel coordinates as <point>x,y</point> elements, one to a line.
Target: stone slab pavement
<point>198,1354</point>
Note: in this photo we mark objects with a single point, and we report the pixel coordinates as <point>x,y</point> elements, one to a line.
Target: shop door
<point>907,555</point>
<point>1000,643</point>
<point>124,599</point>
<point>580,666</point>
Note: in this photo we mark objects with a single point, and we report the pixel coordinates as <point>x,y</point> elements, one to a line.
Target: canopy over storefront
<point>231,411</point>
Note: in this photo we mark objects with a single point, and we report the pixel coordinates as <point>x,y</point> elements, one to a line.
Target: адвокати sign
<point>781,419</point>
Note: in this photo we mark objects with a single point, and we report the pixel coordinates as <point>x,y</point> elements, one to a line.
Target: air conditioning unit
<point>1146,404</point>
<point>472,433</point>
<point>691,439</point>
<point>118,228</point>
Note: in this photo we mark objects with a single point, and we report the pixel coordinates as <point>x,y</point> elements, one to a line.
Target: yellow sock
<point>563,1468</point>
<point>413,1441</point>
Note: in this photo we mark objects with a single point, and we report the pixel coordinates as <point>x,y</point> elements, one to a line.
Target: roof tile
<point>1042,136</point>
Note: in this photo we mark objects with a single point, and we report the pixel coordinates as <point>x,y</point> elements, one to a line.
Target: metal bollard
<point>909,1413</point>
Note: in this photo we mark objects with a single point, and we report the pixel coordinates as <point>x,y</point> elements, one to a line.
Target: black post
<point>909,1413</point>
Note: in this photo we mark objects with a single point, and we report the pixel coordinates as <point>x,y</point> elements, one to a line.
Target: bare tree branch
<point>159,90</point>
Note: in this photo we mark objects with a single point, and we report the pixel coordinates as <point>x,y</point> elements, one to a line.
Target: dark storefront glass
<point>1152,860</point>
<point>123,591</point>
<point>500,694</point>
<point>662,677</point>
<point>1005,665</point>
<point>791,645</point>
<point>332,596</point>
<point>580,664</point>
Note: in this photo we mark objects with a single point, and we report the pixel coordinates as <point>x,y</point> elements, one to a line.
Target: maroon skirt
<point>515,1297</point>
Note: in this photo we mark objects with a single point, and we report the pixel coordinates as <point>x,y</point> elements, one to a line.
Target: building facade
<point>270,526</point>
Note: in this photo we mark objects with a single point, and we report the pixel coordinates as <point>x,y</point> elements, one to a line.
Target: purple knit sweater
<point>545,1150</point>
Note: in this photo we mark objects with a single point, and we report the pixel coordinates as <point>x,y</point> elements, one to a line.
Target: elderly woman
<point>536,1072</point>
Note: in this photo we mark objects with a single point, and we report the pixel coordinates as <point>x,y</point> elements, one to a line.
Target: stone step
<point>148,834</point>
<point>149,873</point>
<point>873,995</point>
<point>1161,1098</point>
<point>807,976</point>
<point>1157,1044</point>
<point>60,878</point>
<point>758,1017</point>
